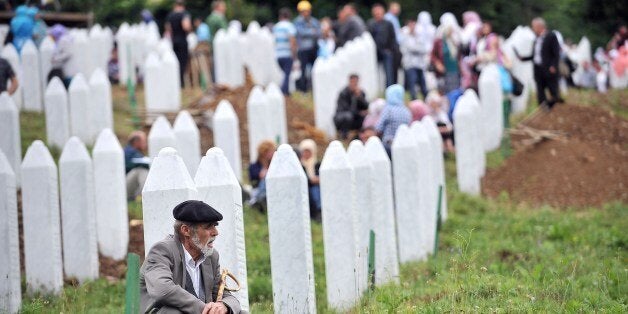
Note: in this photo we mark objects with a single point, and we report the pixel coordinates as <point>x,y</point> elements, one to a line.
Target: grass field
<point>494,256</point>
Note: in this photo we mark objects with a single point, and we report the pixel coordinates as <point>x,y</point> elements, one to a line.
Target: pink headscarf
<point>418,109</point>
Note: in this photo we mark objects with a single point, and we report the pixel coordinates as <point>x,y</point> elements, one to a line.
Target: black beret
<point>195,211</point>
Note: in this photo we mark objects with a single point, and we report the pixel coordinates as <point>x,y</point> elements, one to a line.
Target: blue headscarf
<point>394,95</point>
<point>22,26</point>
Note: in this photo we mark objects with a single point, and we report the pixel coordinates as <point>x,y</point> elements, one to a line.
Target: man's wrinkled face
<point>203,236</point>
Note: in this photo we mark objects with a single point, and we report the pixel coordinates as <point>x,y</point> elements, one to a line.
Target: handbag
<point>517,86</point>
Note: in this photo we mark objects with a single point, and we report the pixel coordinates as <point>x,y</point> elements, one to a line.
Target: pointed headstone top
<point>225,110</point>
<point>160,127</point>
<point>5,166</point>
<point>169,57</point>
<point>74,150</point>
<point>78,83</point>
<point>256,96</point>
<point>152,60</point>
<point>37,155</point>
<point>375,150</point>
<point>98,77</point>
<point>430,127</point>
<point>47,44</point>
<point>185,122</point>
<point>106,141</point>
<point>214,170</point>
<point>9,51</point>
<point>55,87</point>
<point>335,157</point>
<point>168,172</point>
<point>29,48</point>
<point>285,163</point>
<point>273,90</point>
<point>6,103</point>
<point>404,137</point>
<point>253,27</point>
<point>357,154</point>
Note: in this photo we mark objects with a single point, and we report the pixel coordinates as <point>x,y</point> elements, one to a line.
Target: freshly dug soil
<point>588,166</point>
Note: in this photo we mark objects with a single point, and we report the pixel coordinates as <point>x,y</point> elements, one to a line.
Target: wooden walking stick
<point>223,284</point>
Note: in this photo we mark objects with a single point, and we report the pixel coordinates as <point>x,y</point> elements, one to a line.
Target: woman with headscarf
<point>60,65</point>
<point>22,25</point>
<point>438,111</point>
<point>446,52</point>
<point>395,113</point>
<point>418,109</point>
<point>375,111</point>
<point>309,161</point>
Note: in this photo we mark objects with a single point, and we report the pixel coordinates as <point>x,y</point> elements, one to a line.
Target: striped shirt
<point>283,30</point>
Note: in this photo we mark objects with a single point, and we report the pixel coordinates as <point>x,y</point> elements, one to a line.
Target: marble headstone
<point>217,186</point>
<point>10,54</point>
<point>289,228</point>
<point>491,98</point>
<point>101,108</point>
<point>110,189</point>
<point>80,109</point>
<point>40,217</point>
<point>10,143</point>
<point>31,82</point>
<point>168,183</point>
<point>78,212</point>
<point>10,289</point>
<point>226,131</point>
<point>57,113</point>
<point>188,140</point>
<point>161,135</point>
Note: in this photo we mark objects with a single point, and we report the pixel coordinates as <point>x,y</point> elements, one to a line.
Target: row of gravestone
<point>358,197</point>
<point>79,209</point>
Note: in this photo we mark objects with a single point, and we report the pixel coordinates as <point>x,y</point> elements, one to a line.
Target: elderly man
<point>181,273</point>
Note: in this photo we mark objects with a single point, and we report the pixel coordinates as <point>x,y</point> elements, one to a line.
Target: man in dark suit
<point>181,273</point>
<point>545,56</point>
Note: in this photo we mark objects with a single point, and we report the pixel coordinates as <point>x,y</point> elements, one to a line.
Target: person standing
<point>308,32</point>
<point>349,26</point>
<point>383,33</point>
<point>178,25</point>
<point>414,59</point>
<point>545,56</point>
<point>392,16</point>
<point>285,46</point>
<point>446,58</point>
<point>217,20</point>
<point>6,74</point>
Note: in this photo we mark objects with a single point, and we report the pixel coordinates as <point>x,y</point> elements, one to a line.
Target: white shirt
<point>538,45</point>
<point>193,268</point>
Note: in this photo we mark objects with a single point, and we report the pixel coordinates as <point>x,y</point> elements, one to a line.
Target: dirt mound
<point>586,165</point>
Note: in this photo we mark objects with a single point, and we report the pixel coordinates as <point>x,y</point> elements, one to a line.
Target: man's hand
<point>552,69</point>
<point>215,308</point>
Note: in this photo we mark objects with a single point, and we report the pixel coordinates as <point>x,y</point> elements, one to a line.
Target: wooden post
<point>438,219</point>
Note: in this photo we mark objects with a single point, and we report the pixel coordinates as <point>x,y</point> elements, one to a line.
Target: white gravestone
<point>171,82</point>
<point>325,98</point>
<point>168,183</point>
<point>112,220</point>
<point>46,49</point>
<point>80,109</point>
<point>521,40</point>
<point>258,115</point>
<point>10,54</point>
<point>478,150</point>
<point>467,142</point>
<point>101,108</point>
<point>218,187</point>
<point>78,212</point>
<point>406,169</point>
<point>57,113</point>
<point>386,260</point>
<point>362,172</point>
<point>10,290</point>
<point>10,143</point>
<point>426,213</point>
<point>31,82</point>
<point>188,140</point>
<point>226,129</point>
<point>439,162</point>
<point>40,217</point>
<point>340,228</point>
<point>491,97</point>
<point>277,111</point>
<point>161,135</point>
<point>290,235</point>
<point>154,91</point>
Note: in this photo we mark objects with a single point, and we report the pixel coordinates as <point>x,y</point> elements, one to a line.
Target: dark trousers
<point>286,65</point>
<point>181,51</point>
<point>415,76</point>
<point>545,80</point>
<point>306,57</point>
<point>387,59</point>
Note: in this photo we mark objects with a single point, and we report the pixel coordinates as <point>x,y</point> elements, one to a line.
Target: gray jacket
<point>162,281</point>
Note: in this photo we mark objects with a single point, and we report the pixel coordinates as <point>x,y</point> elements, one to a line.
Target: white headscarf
<point>425,30</point>
<point>448,21</point>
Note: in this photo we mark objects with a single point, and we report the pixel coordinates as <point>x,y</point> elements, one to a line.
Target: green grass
<point>494,256</point>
